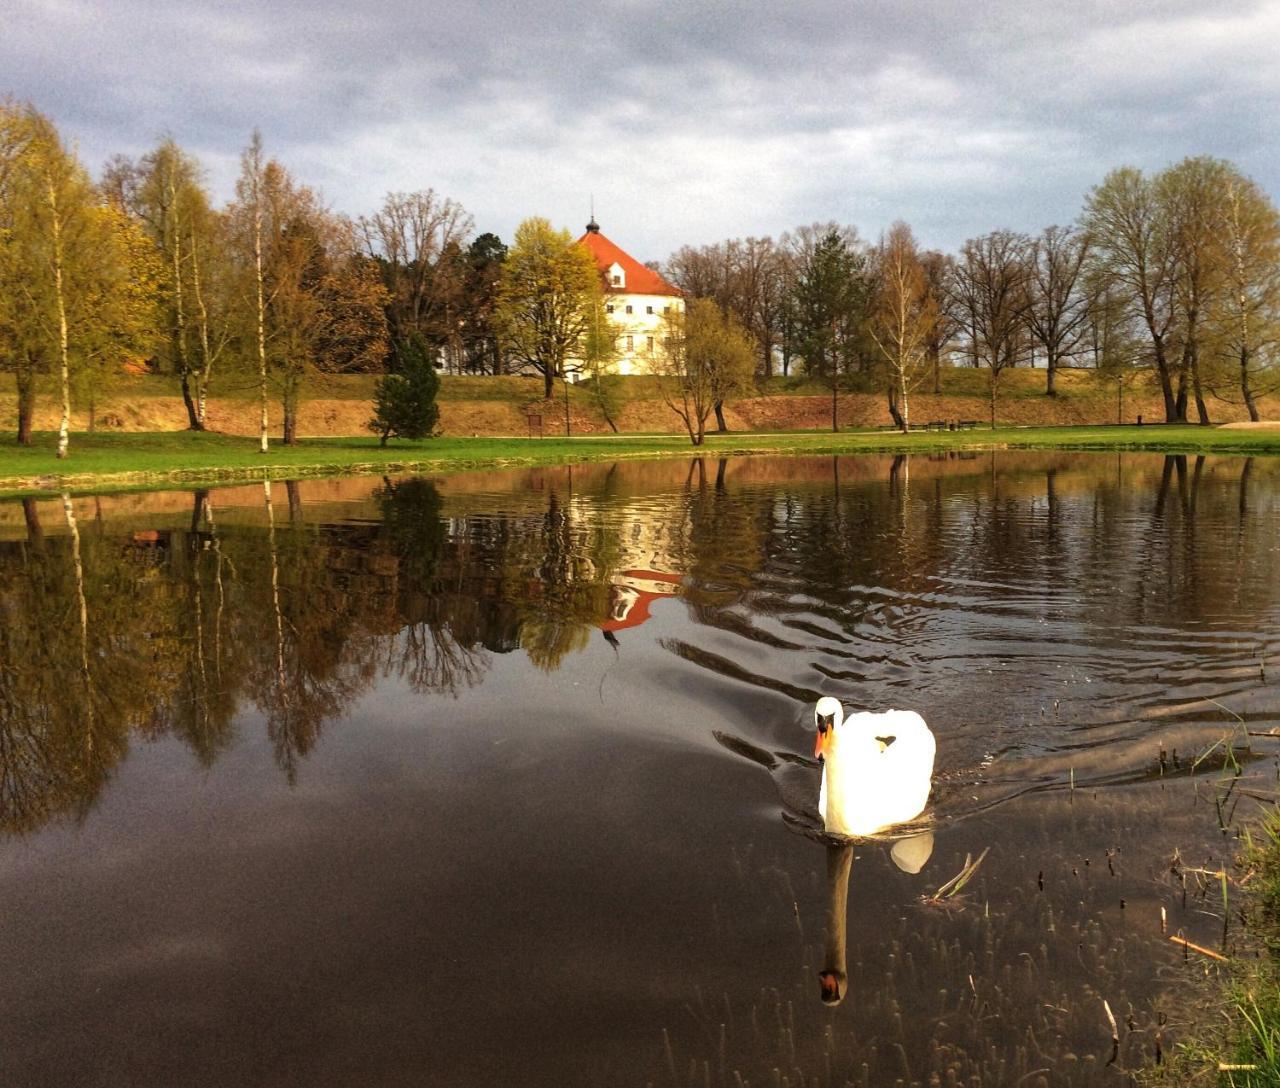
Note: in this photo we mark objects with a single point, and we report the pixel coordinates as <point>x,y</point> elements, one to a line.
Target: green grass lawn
<point>119,460</point>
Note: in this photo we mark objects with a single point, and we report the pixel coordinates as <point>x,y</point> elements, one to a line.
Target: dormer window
<point>617,275</point>
<point>617,281</point>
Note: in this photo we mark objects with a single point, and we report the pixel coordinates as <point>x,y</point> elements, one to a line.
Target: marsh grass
<point>1241,1048</point>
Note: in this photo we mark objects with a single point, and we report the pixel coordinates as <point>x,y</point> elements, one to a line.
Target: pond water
<point>507,778</point>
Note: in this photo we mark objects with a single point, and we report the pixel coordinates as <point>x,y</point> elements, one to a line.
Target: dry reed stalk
<point>1197,947</point>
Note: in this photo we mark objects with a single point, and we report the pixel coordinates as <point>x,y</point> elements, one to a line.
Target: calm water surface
<point>505,778</point>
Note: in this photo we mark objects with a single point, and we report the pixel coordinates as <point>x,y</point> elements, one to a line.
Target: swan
<point>877,768</point>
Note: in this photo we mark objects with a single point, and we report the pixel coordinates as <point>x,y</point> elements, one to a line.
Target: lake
<point>507,777</point>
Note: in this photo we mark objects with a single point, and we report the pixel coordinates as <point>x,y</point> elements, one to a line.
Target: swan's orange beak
<point>826,726</point>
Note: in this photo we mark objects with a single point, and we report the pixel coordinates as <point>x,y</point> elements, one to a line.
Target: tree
<point>1057,312</point>
<point>1135,248</point>
<point>169,197</point>
<point>480,347</point>
<point>707,355</point>
<point>23,351</point>
<point>990,299</point>
<point>1191,197</point>
<point>829,301</point>
<point>116,302</point>
<point>404,402</point>
<point>75,287</point>
<point>938,272</point>
<point>600,353</point>
<point>1244,315</point>
<point>546,300</point>
<point>409,236</point>
<point>903,316</point>
<point>319,305</point>
<point>251,199</point>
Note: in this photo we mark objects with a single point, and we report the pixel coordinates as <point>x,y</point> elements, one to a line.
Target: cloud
<point>687,124</point>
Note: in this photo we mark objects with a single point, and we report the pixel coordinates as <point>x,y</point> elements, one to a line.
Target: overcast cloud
<point>688,123</point>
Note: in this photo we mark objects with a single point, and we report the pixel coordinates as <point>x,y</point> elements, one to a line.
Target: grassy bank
<point>1237,1045</point>
<point>114,460</point>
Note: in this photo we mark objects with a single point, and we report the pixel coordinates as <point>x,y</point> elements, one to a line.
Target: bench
<point>966,424</point>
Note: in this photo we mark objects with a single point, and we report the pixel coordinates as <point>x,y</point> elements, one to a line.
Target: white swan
<point>877,768</point>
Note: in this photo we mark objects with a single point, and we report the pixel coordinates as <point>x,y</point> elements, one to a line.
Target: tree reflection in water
<point>108,631</point>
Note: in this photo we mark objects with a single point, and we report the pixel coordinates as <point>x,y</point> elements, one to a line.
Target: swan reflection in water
<point>910,854</point>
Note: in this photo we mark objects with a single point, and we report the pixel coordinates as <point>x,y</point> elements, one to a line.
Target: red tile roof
<point>638,279</point>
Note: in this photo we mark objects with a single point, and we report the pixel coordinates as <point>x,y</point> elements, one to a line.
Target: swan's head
<point>826,716</point>
<point>832,984</point>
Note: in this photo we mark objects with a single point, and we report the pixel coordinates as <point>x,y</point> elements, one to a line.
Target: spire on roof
<point>593,227</point>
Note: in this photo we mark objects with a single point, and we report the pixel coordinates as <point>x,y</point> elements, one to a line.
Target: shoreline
<point>153,460</point>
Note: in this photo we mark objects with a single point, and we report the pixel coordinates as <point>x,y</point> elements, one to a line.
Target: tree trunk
<point>1180,398</point>
<point>991,389</point>
<point>1202,409</point>
<point>721,426</point>
<point>262,310</point>
<point>1050,375</point>
<point>26,382</point>
<point>1245,390</point>
<point>548,384</point>
<point>835,413</point>
<point>906,406</point>
<point>894,411</point>
<point>206,362</point>
<point>64,362</point>
<point>290,423</point>
<point>1166,379</point>
<point>935,358</point>
<point>193,415</point>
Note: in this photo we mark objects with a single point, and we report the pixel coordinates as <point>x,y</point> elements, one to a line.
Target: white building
<point>636,298</point>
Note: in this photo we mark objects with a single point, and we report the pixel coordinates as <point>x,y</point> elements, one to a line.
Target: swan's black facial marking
<point>825,722</point>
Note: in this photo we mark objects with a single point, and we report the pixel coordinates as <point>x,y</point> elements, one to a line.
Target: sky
<point>686,124</point>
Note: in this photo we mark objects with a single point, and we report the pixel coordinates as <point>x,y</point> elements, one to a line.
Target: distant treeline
<point>1177,273</point>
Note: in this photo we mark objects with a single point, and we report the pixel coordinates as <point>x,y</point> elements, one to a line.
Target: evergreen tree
<point>404,402</point>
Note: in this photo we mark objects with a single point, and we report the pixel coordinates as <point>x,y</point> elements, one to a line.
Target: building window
<point>609,309</point>
<point>648,309</point>
<point>617,281</point>
<point>631,343</point>
<point>649,346</point>
<point>666,309</point>
<point>628,309</point>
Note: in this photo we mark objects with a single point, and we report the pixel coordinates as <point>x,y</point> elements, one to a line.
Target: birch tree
<point>251,198</point>
<point>904,314</point>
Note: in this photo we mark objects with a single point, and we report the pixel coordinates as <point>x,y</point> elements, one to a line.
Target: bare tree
<point>1057,313</point>
<point>410,235</point>
<point>1244,317</point>
<point>1134,246</point>
<point>991,300</point>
